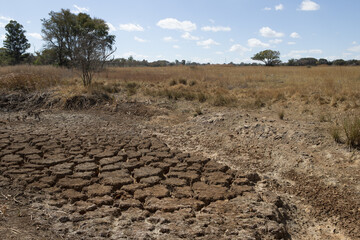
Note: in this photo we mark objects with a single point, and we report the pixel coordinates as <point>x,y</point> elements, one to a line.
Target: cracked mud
<point>86,176</point>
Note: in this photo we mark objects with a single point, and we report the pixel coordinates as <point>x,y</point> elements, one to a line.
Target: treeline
<point>321,61</point>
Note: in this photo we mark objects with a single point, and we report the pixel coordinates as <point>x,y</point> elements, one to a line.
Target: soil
<point>150,170</point>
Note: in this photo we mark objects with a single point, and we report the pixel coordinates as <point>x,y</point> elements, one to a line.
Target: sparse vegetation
<point>335,133</point>
<point>351,127</point>
<point>281,114</point>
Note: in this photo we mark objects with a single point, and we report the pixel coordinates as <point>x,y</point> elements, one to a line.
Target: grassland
<point>218,85</point>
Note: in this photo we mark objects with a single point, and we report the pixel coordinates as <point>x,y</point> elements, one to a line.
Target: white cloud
<point>2,37</point>
<point>291,43</point>
<point>212,21</point>
<point>130,27</point>
<point>253,42</point>
<point>354,49</point>
<point>231,40</point>
<point>139,39</point>
<point>188,36</point>
<point>201,60</point>
<point>239,48</point>
<point>354,42</point>
<point>207,43</point>
<point>268,32</point>
<point>294,35</point>
<point>219,52</point>
<point>301,53</point>
<point>35,35</point>
<point>169,39</point>
<point>111,27</point>
<point>28,22</point>
<point>267,8</point>
<point>315,51</point>
<point>308,5</point>
<point>275,41</point>
<point>5,18</point>
<point>216,29</point>
<point>279,7</point>
<point>79,9</point>
<point>174,24</point>
<point>176,46</point>
<point>134,55</point>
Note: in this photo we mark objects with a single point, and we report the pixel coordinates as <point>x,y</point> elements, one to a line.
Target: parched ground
<point>94,175</point>
<point>147,172</point>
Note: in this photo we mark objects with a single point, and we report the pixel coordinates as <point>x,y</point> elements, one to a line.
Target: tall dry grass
<point>31,78</point>
<point>322,84</point>
<point>220,85</point>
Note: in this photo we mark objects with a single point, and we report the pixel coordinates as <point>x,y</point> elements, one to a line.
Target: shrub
<point>202,97</point>
<point>221,100</point>
<point>183,81</point>
<point>131,88</point>
<point>351,127</point>
<point>173,82</point>
<point>335,134</point>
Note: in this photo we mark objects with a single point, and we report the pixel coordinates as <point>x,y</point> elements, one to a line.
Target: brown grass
<point>31,78</point>
<point>252,86</point>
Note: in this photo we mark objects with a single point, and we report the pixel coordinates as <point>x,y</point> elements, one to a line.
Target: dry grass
<point>252,86</point>
<point>31,78</point>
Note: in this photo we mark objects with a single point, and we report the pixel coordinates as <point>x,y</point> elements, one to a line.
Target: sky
<point>208,30</point>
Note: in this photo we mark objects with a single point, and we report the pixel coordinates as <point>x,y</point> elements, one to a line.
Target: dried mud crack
<point>95,176</point>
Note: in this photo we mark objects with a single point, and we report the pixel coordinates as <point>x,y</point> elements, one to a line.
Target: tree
<point>269,57</point>
<point>93,46</point>
<point>79,41</point>
<point>15,42</point>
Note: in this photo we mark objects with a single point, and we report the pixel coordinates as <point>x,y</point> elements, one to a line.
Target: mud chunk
<point>73,195</point>
<point>103,200</point>
<point>209,193</point>
<point>157,191</point>
<point>76,184</point>
<point>172,204</point>
<point>98,190</point>
<point>86,167</point>
<point>145,172</point>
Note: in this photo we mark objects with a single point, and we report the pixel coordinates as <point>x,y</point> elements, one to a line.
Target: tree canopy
<point>78,41</point>
<point>15,42</point>
<point>269,57</point>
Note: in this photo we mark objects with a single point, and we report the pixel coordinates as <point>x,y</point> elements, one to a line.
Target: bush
<point>131,88</point>
<point>351,127</point>
<point>183,81</point>
<point>335,134</point>
<point>221,100</point>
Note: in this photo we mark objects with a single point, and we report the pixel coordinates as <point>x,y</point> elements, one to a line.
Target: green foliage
<point>269,57</point>
<point>79,41</point>
<point>4,57</point>
<point>15,42</point>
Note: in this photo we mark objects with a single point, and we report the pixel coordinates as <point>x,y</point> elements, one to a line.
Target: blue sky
<point>207,30</point>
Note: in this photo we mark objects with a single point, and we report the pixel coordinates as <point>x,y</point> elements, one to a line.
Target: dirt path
<point>96,175</point>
